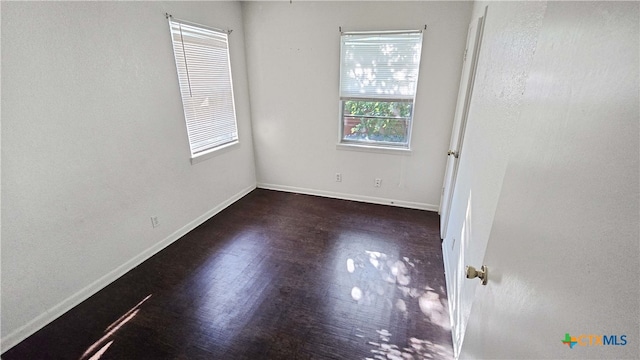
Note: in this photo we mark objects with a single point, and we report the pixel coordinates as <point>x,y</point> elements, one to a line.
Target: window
<point>378,79</point>
<point>204,75</point>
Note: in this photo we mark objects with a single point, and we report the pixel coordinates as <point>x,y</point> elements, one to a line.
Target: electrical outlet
<point>378,182</point>
<point>338,177</point>
<point>154,221</point>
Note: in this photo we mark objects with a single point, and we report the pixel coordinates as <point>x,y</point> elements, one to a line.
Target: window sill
<point>214,152</point>
<point>373,149</point>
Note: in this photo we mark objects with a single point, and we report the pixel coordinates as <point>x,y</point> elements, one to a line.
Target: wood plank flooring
<point>274,276</point>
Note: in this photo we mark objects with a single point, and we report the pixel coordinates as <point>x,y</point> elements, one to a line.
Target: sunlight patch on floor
<point>398,273</point>
<point>396,282</point>
<point>414,349</point>
<point>100,352</point>
<point>110,331</point>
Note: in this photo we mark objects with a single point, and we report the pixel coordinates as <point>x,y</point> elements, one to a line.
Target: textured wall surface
<point>561,228</point>
<point>94,144</point>
<point>293,57</point>
<point>506,52</point>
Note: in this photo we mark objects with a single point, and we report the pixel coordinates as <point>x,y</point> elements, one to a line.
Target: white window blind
<point>378,81</point>
<point>380,65</point>
<point>204,75</point>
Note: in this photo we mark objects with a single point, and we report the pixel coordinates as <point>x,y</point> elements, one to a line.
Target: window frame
<point>220,124</point>
<point>377,145</point>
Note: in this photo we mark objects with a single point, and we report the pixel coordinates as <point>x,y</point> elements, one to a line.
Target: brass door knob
<point>480,274</point>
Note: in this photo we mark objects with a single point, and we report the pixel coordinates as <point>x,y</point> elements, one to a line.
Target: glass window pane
<point>376,121</point>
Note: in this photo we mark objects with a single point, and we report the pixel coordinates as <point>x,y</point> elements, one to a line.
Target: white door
<point>453,248</point>
<point>563,253</point>
<point>474,35</point>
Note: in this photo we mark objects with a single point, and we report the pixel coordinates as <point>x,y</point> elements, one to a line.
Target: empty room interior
<point>320,180</point>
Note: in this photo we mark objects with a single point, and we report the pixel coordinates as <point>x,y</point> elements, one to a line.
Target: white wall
<point>508,44</point>
<point>293,65</point>
<point>94,143</point>
<point>551,161</point>
<point>507,49</point>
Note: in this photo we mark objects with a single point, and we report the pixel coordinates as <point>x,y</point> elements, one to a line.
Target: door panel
<point>488,136</point>
<point>563,246</point>
<point>459,121</point>
<point>454,246</point>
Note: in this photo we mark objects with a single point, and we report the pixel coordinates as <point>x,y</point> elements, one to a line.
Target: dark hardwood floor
<point>274,276</point>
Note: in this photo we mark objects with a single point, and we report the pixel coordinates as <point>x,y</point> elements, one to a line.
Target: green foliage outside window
<point>386,121</point>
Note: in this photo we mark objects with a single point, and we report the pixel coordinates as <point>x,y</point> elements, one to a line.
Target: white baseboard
<point>361,198</point>
<point>56,311</point>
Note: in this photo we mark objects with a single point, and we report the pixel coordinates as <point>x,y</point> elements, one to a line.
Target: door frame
<point>465,92</point>
<point>453,248</point>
